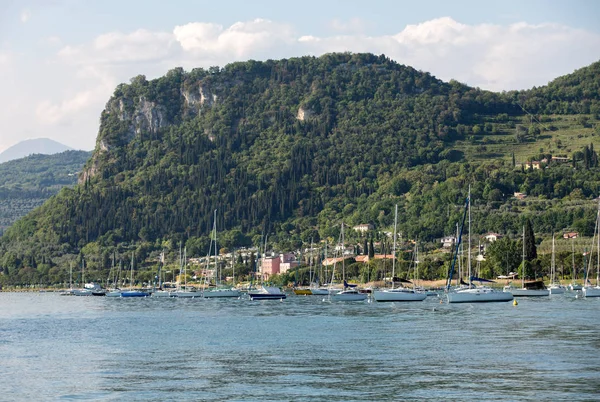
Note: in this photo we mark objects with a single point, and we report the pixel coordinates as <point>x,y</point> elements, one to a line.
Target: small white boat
<point>524,292</point>
<point>186,294</point>
<point>349,295</point>
<point>114,293</point>
<point>575,286</point>
<point>591,291</point>
<point>319,291</point>
<point>162,293</point>
<point>398,294</point>
<point>82,292</point>
<point>557,289</point>
<point>480,294</point>
<point>267,293</point>
<point>221,292</point>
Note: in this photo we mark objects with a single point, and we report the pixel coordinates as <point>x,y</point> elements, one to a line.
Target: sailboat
<point>161,292</point>
<point>574,285</point>
<point>589,290</point>
<point>315,289</point>
<point>86,290</point>
<point>184,292</point>
<point>131,292</point>
<point>530,289</point>
<point>402,293</point>
<point>115,292</point>
<point>69,292</point>
<point>473,294</point>
<point>350,293</point>
<point>555,287</point>
<point>219,290</point>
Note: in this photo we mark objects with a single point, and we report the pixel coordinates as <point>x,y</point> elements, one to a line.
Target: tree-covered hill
<point>28,182</point>
<point>292,147</point>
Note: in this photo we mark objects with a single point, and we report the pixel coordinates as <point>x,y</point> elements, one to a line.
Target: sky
<point>60,60</point>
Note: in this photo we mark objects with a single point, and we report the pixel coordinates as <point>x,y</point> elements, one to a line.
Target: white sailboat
<point>116,292</point>
<point>184,292</point>
<point>555,287</point>
<point>161,292</point>
<point>69,292</point>
<point>574,286</point>
<point>589,290</point>
<point>131,292</point>
<point>349,293</point>
<point>219,291</point>
<point>529,289</point>
<point>401,294</point>
<point>474,294</point>
<point>85,291</point>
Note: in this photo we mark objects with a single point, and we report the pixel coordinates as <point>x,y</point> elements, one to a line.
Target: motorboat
<point>267,293</point>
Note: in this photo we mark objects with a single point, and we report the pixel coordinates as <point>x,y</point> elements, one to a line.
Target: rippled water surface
<point>95,348</point>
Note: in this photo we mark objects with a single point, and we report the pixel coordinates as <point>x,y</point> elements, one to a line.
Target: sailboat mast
<point>416,264</point>
<point>131,274</point>
<point>215,239</point>
<point>469,251</point>
<point>553,266</point>
<point>523,262</point>
<point>394,246</point>
<point>343,249</point>
<point>573,257</point>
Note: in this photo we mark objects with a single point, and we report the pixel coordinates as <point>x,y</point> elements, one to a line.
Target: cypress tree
<point>365,246</point>
<point>530,247</point>
<point>371,249</point>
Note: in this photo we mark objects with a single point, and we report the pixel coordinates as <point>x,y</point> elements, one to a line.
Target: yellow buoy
<point>515,303</point>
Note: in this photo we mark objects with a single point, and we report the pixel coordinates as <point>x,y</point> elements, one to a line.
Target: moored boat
<point>267,293</point>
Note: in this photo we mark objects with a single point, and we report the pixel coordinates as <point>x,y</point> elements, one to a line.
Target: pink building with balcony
<point>269,266</point>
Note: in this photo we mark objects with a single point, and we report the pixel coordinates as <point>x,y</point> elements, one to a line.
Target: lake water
<point>95,348</point>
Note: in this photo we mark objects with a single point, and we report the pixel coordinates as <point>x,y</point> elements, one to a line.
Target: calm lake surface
<point>94,348</point>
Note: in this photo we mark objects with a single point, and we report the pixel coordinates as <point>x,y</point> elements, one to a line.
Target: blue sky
<point>61,59</point>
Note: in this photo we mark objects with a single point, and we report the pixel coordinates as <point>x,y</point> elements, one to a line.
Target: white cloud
<point>240,40</point>
<point>25,15</point>
<point>67,93</point>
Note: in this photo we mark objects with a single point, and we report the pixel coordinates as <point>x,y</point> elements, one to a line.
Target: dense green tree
<point>530,246</point>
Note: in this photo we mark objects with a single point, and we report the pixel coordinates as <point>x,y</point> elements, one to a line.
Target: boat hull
<point>529,292</point>
<point>319,292</point>
<point>231,293</point>
<point>82,292</point>
<point>303,292</point>
<point>162,293</point>
<point>134,293</point>
<point>557,290</point>
<point>187,295</point>
<point>479,296</point>
<point>260,296</point>
<point>349,296</point>
<point>114,293</point>
<point>398,296</point>
<point>591,291</point>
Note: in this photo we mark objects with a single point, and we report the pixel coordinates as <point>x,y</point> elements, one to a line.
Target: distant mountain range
<point>44,146</point>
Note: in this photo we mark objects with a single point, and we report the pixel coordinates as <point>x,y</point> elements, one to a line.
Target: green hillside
<point>28,182</point>
<point>293,147</point>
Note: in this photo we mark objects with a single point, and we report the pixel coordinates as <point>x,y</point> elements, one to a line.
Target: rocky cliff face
<point>140,116</point>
